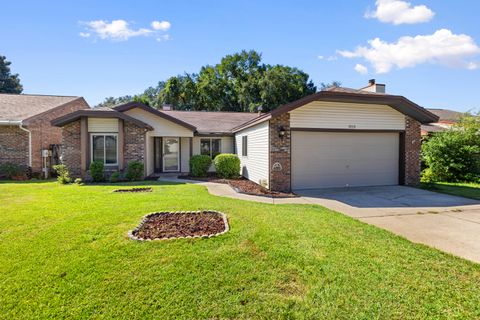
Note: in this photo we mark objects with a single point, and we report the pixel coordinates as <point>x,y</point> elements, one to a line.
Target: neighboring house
<point>447,118</point>
<point>25,128</point>
<point>334,138</point>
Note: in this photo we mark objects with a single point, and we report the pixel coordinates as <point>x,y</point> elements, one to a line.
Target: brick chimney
<point>373,86</point>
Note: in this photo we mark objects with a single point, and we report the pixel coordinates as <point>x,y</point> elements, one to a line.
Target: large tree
<point>240,82</point>
<point>9,83</point>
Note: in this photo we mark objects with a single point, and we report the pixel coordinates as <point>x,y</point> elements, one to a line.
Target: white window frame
<point>104,149</point>
<point>211,149</point>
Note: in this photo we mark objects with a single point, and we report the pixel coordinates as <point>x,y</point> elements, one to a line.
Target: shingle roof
<point>350,90</point>
<point>212,121</point>
<point>446,115</point>
<point>17,107</point>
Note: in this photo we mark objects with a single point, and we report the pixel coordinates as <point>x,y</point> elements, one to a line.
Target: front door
<point>171,154</point>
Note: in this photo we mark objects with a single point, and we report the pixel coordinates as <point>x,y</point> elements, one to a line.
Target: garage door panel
<point>327,159</point>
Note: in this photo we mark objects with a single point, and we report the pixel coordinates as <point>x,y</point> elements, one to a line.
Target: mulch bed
<point>147,189</point>
<point>171,225</point>
<point>242,185</point>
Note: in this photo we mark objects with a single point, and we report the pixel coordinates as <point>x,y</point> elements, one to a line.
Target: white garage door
<point>334,159</point>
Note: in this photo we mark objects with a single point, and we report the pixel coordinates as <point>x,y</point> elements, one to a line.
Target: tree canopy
<point>454,155</point>
<point>240,82</point>
<point>9,83</point>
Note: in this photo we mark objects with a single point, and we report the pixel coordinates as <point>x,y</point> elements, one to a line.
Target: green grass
<point>64,253</point>
<point>467,190</point>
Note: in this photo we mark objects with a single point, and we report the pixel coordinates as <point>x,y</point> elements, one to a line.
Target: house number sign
<point>277,167</point>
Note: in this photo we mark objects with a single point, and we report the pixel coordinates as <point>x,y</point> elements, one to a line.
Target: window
<point>210,147</point>
<point>244,146</point>
<point>104,148</point>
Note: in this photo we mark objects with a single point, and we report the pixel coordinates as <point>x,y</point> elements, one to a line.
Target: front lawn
<point>467,190</point>
<point>64,253</point>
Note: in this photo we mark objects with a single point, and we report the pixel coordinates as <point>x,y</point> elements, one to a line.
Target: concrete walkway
<point>448,223</point>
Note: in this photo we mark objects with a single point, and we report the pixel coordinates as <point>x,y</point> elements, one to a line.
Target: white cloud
<point>360,68</point>
<point>321,57</point>
<point>120,30</point>
<point>164,37</point>
<point>400,12</point>
<point>442,47</point>
<point>161,25</point>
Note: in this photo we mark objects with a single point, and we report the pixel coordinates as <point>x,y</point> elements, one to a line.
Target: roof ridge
<point>39,95</point>
<point>206,111</point>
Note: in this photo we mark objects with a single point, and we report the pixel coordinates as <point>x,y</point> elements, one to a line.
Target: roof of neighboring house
<point>208,122</point>
<point>432,128</point>
<point>337,94</point>
<point>18,107</point>
<point>101,112</point>
<point>446,115</point>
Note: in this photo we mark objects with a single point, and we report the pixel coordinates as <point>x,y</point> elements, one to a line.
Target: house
<point>334,138</point>
<point>26,131</point>
<point>447,118</point>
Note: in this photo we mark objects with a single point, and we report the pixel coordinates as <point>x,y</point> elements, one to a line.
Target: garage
<point>344,159</point>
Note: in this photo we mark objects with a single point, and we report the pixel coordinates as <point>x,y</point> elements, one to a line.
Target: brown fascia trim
<point>35,117</point>
<point>60,122</point>
<point>252,122</point>
<point>399,103</point>
<point>213,134</point>
<point>131,105</point>
<point>347,130</point>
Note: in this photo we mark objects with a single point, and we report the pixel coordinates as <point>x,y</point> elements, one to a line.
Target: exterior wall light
<point>282,132</point>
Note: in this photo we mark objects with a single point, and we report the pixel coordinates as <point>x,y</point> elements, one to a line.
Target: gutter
<point>20,125</point>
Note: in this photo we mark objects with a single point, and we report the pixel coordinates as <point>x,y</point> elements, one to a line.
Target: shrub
<point>134,171</point>
<point>78,181</point>
<point>453,155</point>
<point>115,177</point>
<point>12,170</point>
<point>227,165</point>
<point>199,165</point>
<point>63,176</point>
<point>97,171</point>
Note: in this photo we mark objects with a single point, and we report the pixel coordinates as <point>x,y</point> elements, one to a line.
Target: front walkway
<point>445,222</point>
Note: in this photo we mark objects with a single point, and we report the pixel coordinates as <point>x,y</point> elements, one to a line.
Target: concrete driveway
<point>448,223</point>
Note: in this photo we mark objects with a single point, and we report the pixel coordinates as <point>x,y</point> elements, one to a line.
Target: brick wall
<point>44,134</point>
<point>13,145</point>
<point>71,151</point>
<point>413,142</point>
<point>134,145</point>
<point>280,175</point>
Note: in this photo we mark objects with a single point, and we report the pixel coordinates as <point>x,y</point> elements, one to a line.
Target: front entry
<point>166,154</point>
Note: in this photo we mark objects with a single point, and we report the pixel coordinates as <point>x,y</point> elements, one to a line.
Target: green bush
<point>227,165</point>
<point>97,171</point>
<point>199,165</point>
<point>11,170</point>
<point>453,155</point>
<point>63,176</point>
<point>134,171</point>
<point>78,181</point>
<point>115,177</point>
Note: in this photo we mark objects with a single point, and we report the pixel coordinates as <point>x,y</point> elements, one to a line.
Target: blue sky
<point>71,48</point>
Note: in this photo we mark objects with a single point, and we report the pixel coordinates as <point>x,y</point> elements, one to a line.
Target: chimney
<point>259,109</point>
<point>373,86</point>
<point>167,107</point>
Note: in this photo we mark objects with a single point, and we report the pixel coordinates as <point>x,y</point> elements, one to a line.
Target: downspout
<point>29,143</point>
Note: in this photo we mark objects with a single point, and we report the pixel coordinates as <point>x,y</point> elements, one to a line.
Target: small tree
<point>9,83</point>
<point>454,155</point>
<point>63,176</point>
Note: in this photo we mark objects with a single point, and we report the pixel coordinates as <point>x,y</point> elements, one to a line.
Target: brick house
<point>334,138</point>
<point>25,128</point>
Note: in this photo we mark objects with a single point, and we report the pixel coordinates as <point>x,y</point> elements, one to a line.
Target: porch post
<point>120,146</point>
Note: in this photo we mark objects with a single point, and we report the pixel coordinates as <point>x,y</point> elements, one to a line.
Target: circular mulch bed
<point>134,190</point>
<point>182,224</point>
